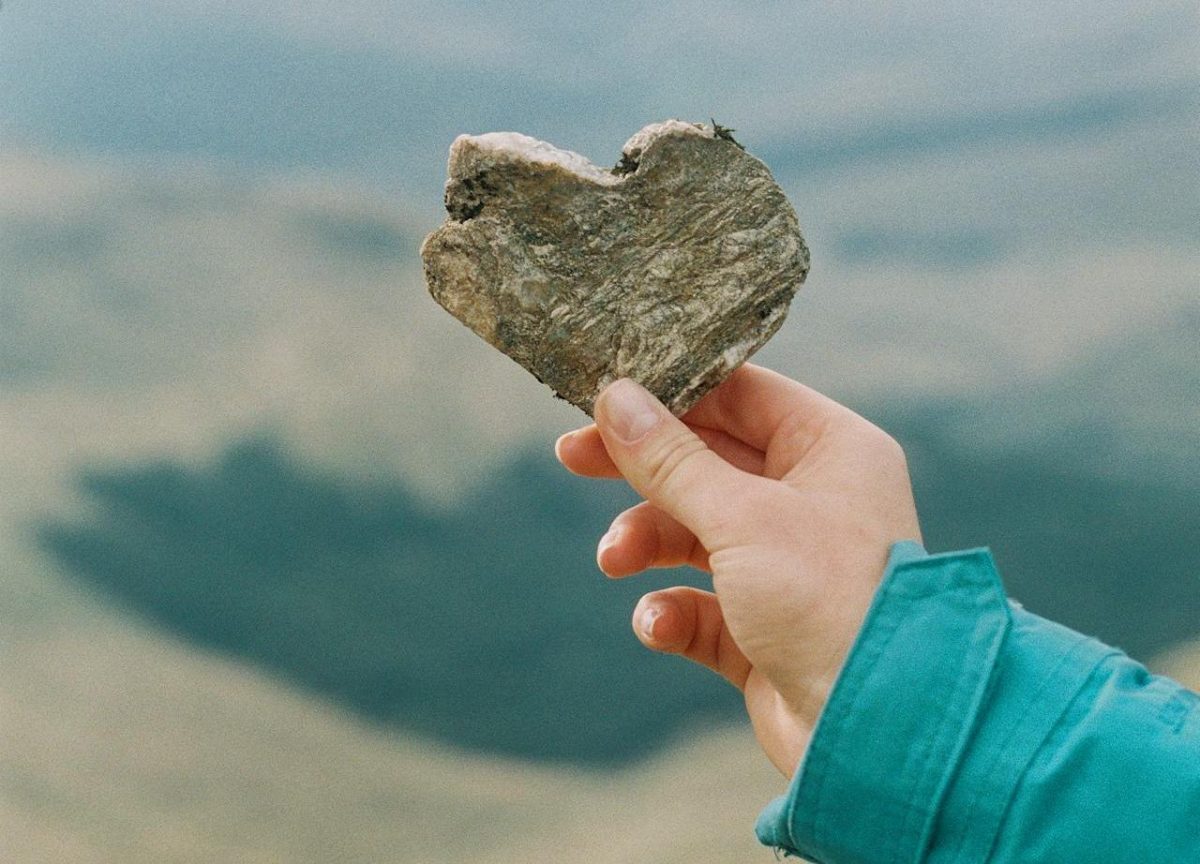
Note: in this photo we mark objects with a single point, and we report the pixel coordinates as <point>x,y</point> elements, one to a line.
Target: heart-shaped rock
<point>671,268</point>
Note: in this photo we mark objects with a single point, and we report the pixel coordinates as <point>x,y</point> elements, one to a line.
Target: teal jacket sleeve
<point>963,728</point>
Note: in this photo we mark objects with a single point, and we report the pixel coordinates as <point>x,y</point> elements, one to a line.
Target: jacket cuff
<point>898,717</point>
<point>896,721</point>
<point>900,744</point>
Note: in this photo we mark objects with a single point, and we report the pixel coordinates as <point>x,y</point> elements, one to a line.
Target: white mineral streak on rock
<point>671,268</point>
<point>515,147</point>
<point>642,139</point>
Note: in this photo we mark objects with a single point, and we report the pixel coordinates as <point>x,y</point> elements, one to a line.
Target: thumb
<point>671,467</point>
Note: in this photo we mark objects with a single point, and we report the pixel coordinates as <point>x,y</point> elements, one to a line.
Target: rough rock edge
<point>516,147</point>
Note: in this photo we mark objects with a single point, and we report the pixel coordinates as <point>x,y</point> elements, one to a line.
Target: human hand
<point>787,498</point>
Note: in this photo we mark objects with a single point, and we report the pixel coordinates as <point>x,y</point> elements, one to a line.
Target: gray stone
<point>671,268</point>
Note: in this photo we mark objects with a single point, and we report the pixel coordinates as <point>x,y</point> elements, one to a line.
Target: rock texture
<point>671,268</point>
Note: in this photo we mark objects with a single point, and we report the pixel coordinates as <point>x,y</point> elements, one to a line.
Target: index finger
<point>583,452</point>
<point>755,405</point>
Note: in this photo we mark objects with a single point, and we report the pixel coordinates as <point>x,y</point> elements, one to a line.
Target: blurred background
<point>290,573</point>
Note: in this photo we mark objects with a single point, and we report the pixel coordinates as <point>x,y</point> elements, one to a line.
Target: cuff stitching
<point>940,745</point>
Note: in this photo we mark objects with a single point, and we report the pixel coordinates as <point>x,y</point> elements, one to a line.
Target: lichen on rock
<point>671,268</point>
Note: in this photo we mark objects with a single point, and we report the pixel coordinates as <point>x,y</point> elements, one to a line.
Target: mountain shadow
<point>1107,555</point>
<point>489,627</point>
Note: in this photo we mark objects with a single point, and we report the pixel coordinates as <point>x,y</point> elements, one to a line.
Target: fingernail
<point>559,443</point>
<point>646,621</point>
<point>609,539</point>
<point>630,410</point>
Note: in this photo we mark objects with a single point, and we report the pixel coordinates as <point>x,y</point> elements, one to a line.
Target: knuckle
<point>673,460</point>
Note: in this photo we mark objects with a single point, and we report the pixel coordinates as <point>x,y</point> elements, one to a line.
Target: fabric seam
<point>1068,703</point>
<point>967,685</point>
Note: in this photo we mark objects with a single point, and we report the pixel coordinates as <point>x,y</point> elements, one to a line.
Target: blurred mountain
<point>1085,487</point>
<point>1111,556</point>
<point>487,625</point>
<point>1131,410</point>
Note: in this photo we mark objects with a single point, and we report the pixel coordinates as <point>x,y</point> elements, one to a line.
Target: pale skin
<point>788,499</point>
